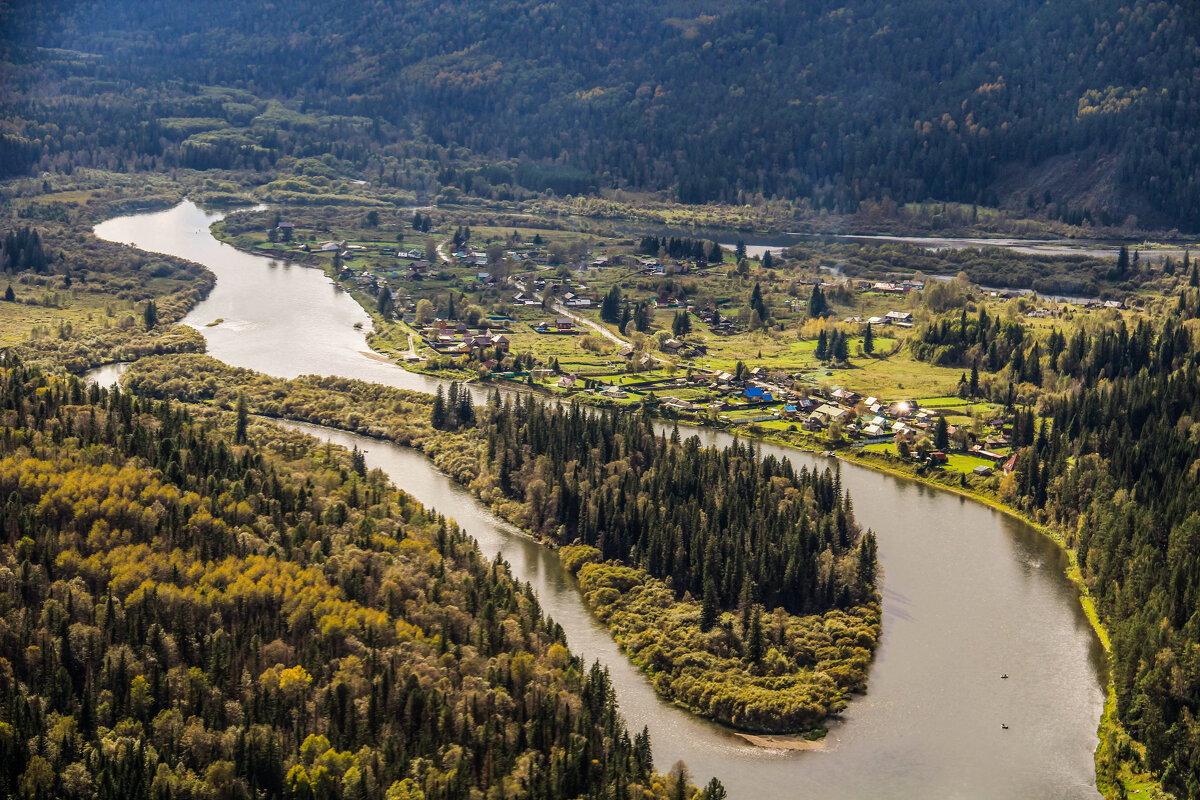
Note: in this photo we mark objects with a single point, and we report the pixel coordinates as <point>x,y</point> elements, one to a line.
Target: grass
<point>75,312</point>
<point>960,462</point>
<point>943,402</point>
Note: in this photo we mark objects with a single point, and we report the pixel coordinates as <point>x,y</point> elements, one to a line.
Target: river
<point>759,243</point>
<point>969,593</point>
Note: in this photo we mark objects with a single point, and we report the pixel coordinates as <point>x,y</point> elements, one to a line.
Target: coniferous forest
<point>725,525</point>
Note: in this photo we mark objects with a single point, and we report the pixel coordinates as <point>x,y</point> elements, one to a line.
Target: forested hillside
<point>206,607</point>
<point>1076,109</point>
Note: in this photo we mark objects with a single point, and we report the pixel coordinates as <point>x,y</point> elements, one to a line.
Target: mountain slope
<point>720,100</point>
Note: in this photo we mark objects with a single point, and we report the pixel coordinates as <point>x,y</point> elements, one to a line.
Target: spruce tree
<point>709,606</point>
<point>754,650</point>
<point>438,415</point>
<point>1122,261</point>
<point>150,314</point>
<point>243,416</point>
<point>841,350</point>
<point>816,303</point>
<point>610,307</point>
<point>757,304</point>
<point>941,434</point>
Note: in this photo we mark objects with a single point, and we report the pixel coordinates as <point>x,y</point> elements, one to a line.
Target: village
<point>528,308</point>
<point>827,418</point>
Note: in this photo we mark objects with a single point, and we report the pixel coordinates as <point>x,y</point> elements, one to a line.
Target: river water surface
<point>968,593</point>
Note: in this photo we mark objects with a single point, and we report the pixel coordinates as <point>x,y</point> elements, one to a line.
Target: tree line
<point>724,525</point>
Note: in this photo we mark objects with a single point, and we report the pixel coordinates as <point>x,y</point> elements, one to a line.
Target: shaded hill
<point>834,102</point>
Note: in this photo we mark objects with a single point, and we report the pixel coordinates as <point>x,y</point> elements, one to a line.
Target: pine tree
<point>822,346</point>
<point>868,340</point>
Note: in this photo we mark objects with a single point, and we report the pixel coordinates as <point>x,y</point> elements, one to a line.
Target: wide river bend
<point>968,594</point>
